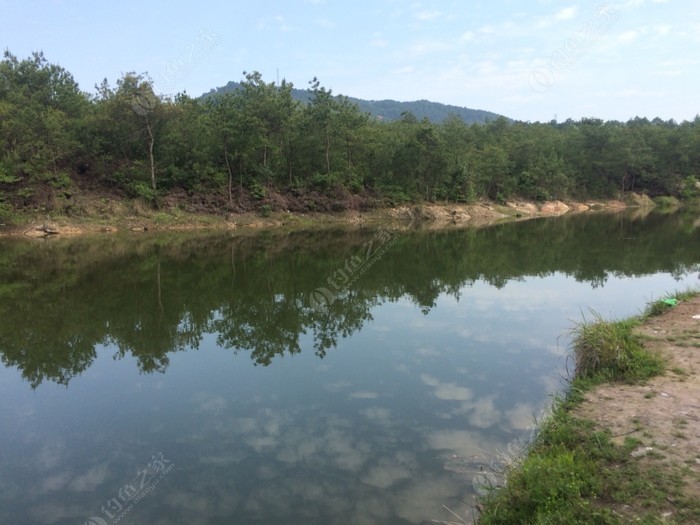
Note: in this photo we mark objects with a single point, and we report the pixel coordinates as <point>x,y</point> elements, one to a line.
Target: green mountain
<point>389,110</point>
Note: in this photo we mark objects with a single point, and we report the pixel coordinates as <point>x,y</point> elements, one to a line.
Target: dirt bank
<point>433,215</point>
<point>663,413</point>
<point>623,445</point>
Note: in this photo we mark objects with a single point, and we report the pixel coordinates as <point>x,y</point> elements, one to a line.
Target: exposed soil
<point>664,413</point>
<point>105,215</point>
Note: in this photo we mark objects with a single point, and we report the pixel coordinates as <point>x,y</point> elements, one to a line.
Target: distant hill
<point>389,110</point>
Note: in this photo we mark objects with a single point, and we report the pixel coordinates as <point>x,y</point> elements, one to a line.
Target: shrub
<point>691,188</point>
<point>142,190</point>
<point>666,203</point>
<point>6,177</point>
<point>257,191</point>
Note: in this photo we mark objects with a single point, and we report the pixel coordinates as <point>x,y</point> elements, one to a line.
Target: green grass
<point>607,351</point>
<point>573,473</point>
<point>664,304</point>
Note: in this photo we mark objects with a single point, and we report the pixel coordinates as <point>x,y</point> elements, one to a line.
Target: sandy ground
<point>664,413</point>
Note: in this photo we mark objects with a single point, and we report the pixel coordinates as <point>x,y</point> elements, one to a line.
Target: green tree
<point>41,108</point>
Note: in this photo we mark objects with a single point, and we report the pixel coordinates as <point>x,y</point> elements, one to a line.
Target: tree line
<point>247,147</point>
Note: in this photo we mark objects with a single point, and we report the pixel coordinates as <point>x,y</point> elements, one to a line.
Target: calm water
<point>323,377</point>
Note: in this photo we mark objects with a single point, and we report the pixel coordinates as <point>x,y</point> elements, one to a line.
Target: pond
<point>332,376</point>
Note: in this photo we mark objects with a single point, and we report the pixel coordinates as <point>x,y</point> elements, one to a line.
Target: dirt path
<point>664,413</point>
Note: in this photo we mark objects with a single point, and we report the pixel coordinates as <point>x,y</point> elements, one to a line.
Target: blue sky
<point>526,60</point>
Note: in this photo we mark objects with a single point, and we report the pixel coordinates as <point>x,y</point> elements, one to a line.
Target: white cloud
<point>379,42</point>
<point>628,36</point>
<point>521,416</point>
<point>90,480</point>
<point>461,442</point>
<point>325,23</point>
<point>279,21</point>
<point>430,46</point>
<point>486,67</point>
<point>55,482</point>
<point>662,30</point>
<point>566,14</point>
<point>483,412</point>
<point>386,473</point>
<point>427,15</point>
<point>447,391</point>
<point>562,15</point>
<point>382,415</point>
<point>209,403</point>
<point>364,395</point>
<point>428,352</point>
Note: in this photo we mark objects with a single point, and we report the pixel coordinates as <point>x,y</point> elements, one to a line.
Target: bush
<point>257,191</point>
<point>691,188</point>
<point>142,190</point>
<point>323,181</point>
<point>6,211</point>
<point>60,180</point>
<point>6,177</point>
<point>666,203</point>
<point>542,195</point>
<point>395,195</point>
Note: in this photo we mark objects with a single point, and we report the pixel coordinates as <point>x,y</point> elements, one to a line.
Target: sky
<point>533,61</point>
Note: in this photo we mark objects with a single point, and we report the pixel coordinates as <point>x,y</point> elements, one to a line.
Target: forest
<point>257,148</point>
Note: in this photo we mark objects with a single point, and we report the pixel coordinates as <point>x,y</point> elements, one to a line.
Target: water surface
<point>312,377</point>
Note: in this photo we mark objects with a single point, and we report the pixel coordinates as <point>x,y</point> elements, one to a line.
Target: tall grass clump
<point>610,351</point>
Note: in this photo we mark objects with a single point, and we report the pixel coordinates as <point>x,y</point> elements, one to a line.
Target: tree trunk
<point>240,178</point>
<point>328,152</point>
<point>289,160</point>
<point>230,176</point>
<point>151,142</point>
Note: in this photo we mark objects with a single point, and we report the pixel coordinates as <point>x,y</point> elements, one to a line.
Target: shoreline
<point>429,215</point>
<point>623,444</point>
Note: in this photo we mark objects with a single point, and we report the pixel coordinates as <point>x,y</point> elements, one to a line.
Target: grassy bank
<point>577,472</point>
